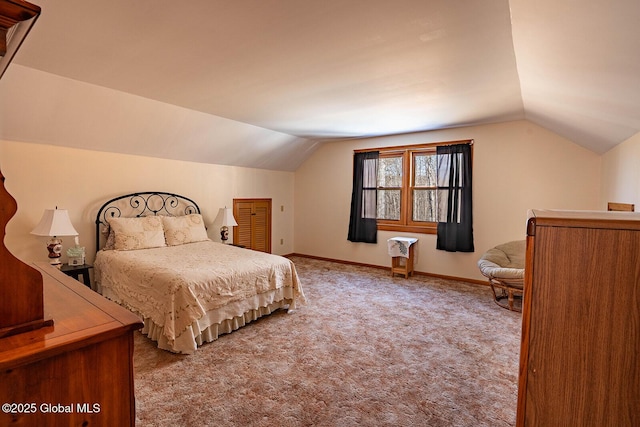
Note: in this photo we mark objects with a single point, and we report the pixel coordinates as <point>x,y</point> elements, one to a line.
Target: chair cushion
<point>505,261</point>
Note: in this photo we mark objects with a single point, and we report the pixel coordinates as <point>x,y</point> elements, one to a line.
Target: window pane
<point>444,215</point>
<point>369,204</point>
<point>425,171</point>
<point>390,172</point>
<point>444,168</point>
<point>370,167</point>
<point>424,205</point>
<point>389,204</point>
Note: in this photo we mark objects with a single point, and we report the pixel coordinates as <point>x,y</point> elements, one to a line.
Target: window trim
<point>406,223</point>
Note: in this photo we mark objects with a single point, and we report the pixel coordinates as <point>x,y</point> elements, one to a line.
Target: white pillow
<point>137,233</point>
<point>179,230</point>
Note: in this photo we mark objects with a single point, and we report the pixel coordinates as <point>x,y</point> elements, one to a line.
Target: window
<point>407,188</point>
<point>390,183</point>
<point>424,185</point>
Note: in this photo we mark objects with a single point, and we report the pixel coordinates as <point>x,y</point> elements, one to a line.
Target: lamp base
<point>224,234</point>
<point>55,250</point>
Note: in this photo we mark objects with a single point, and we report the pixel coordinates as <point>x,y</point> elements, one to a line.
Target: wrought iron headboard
<point>145,203</point>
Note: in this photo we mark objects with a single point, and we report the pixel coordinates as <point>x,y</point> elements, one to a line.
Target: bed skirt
<point>216,322</point>
<point>198,333</point>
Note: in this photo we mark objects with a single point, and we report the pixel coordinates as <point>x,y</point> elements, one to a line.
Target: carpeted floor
<point>367,350</point>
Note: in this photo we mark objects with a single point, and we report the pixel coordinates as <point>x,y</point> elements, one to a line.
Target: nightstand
<point>402,251</point>
<point>76,270</point>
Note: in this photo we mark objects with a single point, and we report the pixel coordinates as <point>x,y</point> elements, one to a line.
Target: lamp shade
<point>55,222</point>
<point>227,218</point>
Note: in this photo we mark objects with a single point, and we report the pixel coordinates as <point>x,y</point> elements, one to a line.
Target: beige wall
<point>517,166</point>
<point>42,177</point>
<point>621,173</point>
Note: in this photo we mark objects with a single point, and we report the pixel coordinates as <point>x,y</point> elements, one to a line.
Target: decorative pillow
<point>108,234</point>
<point>179,230</point>
<point>111,241</point>
<point>137,233</point>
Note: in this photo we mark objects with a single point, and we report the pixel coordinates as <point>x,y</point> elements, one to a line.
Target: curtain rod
<point>423,145</point>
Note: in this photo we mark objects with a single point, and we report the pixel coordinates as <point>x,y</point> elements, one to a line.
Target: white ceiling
<point>313,70</point>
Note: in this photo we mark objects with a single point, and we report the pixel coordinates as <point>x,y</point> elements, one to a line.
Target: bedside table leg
<point>86,279</point>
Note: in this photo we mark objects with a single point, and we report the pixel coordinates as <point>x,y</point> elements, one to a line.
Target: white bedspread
<point>177,285</point>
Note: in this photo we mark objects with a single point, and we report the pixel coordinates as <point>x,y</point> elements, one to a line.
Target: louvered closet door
<point>254,224</point>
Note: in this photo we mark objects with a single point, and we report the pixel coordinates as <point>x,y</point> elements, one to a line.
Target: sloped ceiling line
<point>260,83</point>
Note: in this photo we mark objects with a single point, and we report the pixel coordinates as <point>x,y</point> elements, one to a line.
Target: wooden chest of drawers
<point>78,371</point>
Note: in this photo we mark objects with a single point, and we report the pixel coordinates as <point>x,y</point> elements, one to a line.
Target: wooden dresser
<point>77,372</point>
<point>580,355</point>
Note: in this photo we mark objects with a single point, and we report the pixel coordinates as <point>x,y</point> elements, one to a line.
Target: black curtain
<point>364,198</point>
<point>454,198</point>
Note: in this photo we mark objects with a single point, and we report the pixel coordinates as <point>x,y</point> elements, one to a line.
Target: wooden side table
<point>76,270</point>
<point>402,254</point>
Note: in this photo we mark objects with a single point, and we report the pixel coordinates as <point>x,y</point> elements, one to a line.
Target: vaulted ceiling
<point>222,73</point>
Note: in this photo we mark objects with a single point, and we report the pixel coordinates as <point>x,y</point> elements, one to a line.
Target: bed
<point>154,257</point>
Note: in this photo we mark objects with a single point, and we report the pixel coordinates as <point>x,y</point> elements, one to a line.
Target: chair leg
<point>503,294</point>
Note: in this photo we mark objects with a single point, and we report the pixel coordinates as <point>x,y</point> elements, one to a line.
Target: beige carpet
<point>367,350</point>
